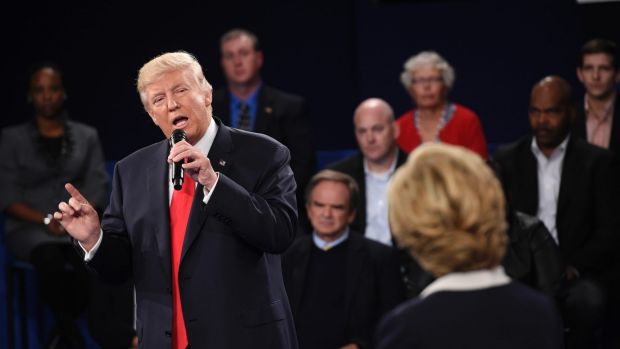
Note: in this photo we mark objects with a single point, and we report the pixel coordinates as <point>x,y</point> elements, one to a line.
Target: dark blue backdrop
<point>334,52</point>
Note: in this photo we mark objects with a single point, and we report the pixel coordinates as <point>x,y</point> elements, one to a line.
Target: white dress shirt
<point>549,178</point>
<point>377,226</point>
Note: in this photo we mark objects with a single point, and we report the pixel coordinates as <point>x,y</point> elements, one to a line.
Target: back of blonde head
<point>446,207</point>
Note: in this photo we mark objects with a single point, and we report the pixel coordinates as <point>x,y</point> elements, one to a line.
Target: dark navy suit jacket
<point>230,277</point>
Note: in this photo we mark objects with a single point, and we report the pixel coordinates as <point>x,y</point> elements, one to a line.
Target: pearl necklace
<point>447,115</point>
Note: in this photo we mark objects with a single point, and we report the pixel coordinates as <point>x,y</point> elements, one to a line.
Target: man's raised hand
<point>79,218</point>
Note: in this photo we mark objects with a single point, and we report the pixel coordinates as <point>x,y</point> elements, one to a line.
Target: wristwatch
<point>47,219</point>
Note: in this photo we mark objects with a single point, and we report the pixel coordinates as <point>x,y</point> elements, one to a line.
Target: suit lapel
<point>264,110</point>
<point>571,168</point>
<point>526,196</point>
<point>157,194</point>
<point>220,156</point>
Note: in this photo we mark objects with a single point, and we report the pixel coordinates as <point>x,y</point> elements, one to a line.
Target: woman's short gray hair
<point>428,58</point>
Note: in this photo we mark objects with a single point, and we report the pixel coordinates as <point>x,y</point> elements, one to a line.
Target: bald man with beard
<point>567,183</point>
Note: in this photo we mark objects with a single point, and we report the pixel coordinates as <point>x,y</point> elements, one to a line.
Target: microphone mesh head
<point>178,135</point>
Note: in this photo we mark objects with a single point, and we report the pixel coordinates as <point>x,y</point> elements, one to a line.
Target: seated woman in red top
<point>428,78</point>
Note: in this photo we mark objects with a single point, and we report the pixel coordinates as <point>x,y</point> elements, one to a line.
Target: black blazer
<point>285,117</point>
<point>354,167</point>
<point>586,216</point>
<point>373,282</point>
<point>230,277</point>
<point>579,126</point>
<point>507,316</point>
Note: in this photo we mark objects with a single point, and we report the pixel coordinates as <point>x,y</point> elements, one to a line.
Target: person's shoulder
<point>255,139</point>
<point>144,152</point>
<point>374,248</point>
<point>277,93</point>
<point>347,164</point>
<point>256,145</point>
<point>406,117</point>
<point>407,311</point>
<point>16,129</point>
<point>590,149</point>
<point>82,128</point>
<point>511,149</point>
<point>526,296</point>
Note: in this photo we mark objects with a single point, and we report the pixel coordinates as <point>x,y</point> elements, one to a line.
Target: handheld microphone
<point>177,170</point>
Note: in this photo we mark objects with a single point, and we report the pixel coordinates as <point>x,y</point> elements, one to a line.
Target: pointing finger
<point>75,193</point>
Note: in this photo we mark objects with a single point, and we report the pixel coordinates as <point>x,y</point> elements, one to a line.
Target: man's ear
<point>396,129</point>
<point>208,98</point>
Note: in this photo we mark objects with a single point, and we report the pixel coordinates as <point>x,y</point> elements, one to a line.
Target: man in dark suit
<point>598,117</point>
<point>339,283</point>
<point>207,272</point>
<point>249,104</point>
<point>566,182</point>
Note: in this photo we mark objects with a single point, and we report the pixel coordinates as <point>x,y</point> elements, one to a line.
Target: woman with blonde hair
<point>446,207</point>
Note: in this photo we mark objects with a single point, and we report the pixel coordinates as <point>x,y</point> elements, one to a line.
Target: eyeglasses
<point>436,80</point>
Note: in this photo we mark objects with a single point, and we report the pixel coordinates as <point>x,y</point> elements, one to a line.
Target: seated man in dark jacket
<point>339,282</point>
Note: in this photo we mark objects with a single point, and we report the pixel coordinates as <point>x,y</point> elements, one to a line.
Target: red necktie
<point>179,213</point>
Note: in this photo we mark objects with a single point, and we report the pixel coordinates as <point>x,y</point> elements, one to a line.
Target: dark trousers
<point>64,286</point>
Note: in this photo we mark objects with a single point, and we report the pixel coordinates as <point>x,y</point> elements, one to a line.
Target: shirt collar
<point>468,281</point>
<point>252,99</point>
<point>560,149</point>
<point>324,245</point>
<point>605,113</point>
<point>205,143</point>
<point>384,175</point>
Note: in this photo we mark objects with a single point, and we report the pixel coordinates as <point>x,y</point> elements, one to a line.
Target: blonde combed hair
<point>167,62</point>
<point>446,207</point>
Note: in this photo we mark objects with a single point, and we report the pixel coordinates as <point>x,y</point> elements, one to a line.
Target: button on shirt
<point>549,177</point>
<point>377,227</point>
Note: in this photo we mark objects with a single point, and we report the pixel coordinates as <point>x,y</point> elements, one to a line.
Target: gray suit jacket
<point>28,176</point>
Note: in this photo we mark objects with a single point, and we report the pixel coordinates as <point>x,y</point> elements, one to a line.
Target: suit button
<point>168,334</point>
